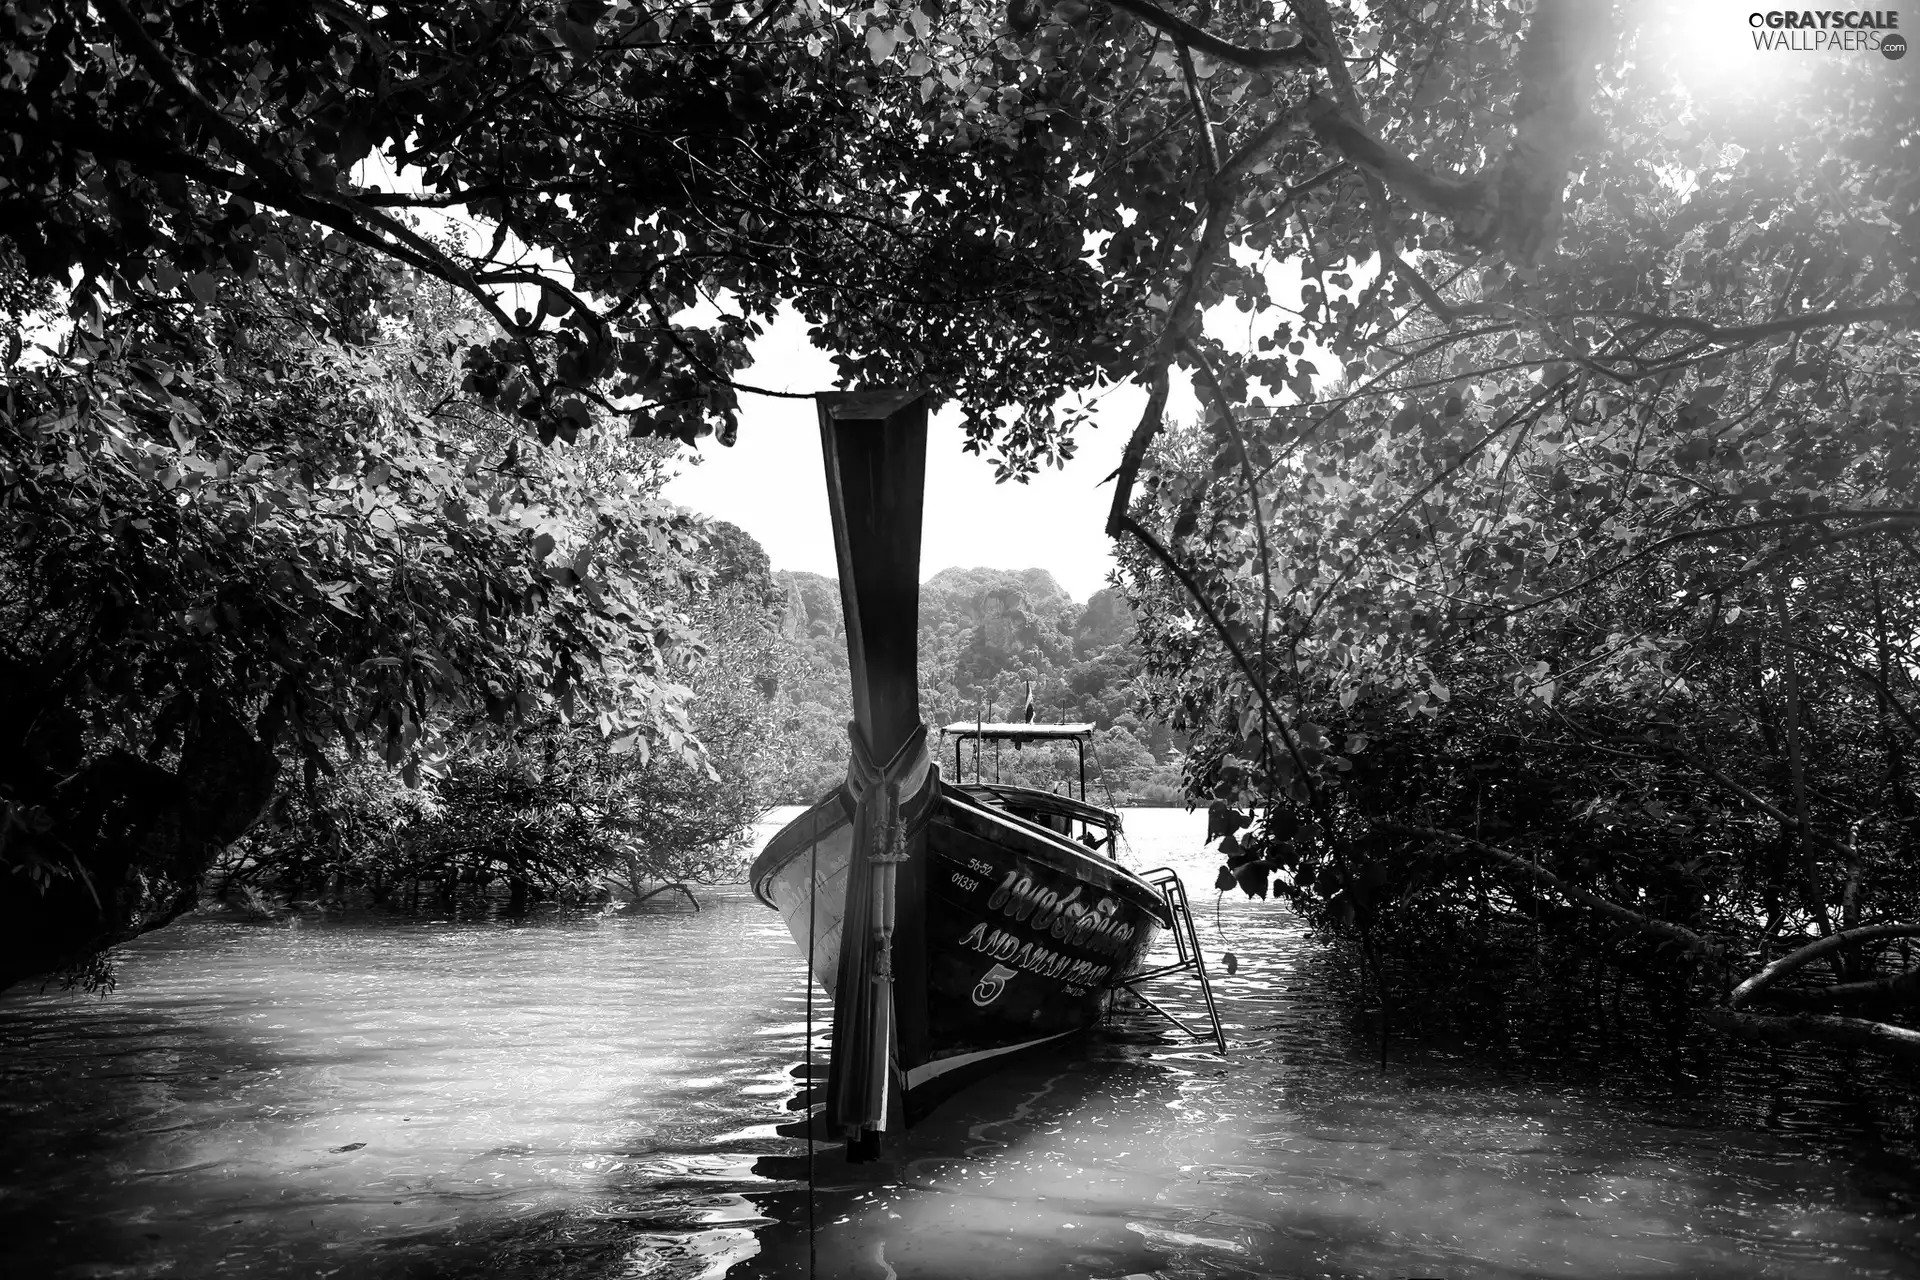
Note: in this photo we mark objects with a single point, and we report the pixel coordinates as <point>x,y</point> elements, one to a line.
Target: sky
<point>772,482</point>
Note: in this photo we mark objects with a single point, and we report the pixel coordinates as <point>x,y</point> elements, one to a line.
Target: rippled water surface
<point>597,1098</point>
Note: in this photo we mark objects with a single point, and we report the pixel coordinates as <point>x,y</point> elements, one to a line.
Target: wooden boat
<point>953,926</point>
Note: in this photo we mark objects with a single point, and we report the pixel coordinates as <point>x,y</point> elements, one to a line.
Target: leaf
<point>578,36</point>
<point>1223,820</point>
<point>880,43</point>
<point>574,418</point>
<point>203,287</point>
<point>1224,881</point>
<point>1252,879</point>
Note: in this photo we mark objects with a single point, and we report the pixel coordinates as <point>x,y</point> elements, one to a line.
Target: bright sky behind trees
<point>770,483</point>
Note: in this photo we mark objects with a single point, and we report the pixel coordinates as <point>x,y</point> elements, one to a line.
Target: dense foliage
<point>549,807</point>
<point>1572,619</point>
<point>665,156</point>
<point>271,532</point>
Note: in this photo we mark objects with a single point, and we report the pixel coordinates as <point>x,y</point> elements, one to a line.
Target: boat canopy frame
<point>1018,732</point>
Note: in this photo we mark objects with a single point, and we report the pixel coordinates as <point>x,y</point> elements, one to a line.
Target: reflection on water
<point>597,1098</point>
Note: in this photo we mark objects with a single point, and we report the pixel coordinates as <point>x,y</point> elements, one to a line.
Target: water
<point>597,1098</point>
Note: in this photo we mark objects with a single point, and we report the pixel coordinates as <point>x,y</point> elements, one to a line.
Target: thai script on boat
<point>1094,926</point>
<point>1034,958</point>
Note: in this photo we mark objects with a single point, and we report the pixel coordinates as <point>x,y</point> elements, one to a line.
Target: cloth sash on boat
<point>892,804</point>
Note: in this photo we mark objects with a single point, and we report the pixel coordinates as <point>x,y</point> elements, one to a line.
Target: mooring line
<point>813,895</point>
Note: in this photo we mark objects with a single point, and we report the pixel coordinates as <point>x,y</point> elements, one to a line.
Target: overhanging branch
<point>1513,204</point>
<point>1159,552</point>
<point>1813,951</point>
<point>1892,313</point>
<point>1300,53</point>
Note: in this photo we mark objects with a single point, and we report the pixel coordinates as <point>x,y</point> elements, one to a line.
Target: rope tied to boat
<point>909,771</point>
<point>892,804</point>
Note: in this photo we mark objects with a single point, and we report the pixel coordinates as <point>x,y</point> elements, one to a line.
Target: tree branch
<point>1165,557</point>
<point>1298,54</point>
<point>1232,425</point>
<point>1893,311</point>
<point>154,59</point>
<point>1208,147</point>
<point>1818,1029</point>
<point>1513,204</point>
<point>1534,404</point>
<point>1687,938</point>
<point>1154,415</point>
<point>667,888</point>
<point>1771,810</point>
<point>1135,453</point>
<point>1901,988</point>
<point>245,149</point>
<point>1884,520</point>
<point>1813,951</point>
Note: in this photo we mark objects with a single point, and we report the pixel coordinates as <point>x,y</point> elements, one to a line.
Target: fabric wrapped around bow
<point>892,804</point>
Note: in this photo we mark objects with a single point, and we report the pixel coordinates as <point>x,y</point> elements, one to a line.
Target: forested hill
<point>984,634</point>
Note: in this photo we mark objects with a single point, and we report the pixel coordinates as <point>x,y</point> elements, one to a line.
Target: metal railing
<point>1186,945</point>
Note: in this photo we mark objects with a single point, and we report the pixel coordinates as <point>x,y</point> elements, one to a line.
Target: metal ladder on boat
<point>1186,945</point>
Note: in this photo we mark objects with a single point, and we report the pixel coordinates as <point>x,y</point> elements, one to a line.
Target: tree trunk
<point>669,888</point>
<point>134,840</point>
<point>1797,770</point>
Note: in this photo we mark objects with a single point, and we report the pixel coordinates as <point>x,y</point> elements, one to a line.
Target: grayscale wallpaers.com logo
<point>1829,31</point>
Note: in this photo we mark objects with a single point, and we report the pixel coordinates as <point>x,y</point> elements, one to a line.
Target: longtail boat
<point>953,926</point>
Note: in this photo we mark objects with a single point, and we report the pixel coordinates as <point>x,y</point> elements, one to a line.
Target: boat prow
<point>1026,929</point>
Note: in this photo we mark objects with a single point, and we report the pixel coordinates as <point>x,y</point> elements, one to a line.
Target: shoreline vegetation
<point>554,814</point>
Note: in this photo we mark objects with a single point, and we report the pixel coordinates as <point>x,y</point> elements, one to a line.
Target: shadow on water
<point>1287,1161</point>
<point>598,1097</point>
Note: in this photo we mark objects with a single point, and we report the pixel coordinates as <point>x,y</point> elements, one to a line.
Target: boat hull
<point>1025,931</point>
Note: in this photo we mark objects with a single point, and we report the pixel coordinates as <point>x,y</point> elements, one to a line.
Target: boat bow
<point>875,447</point>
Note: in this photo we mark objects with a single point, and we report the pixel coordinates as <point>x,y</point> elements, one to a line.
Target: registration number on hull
<point>968,883</point>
